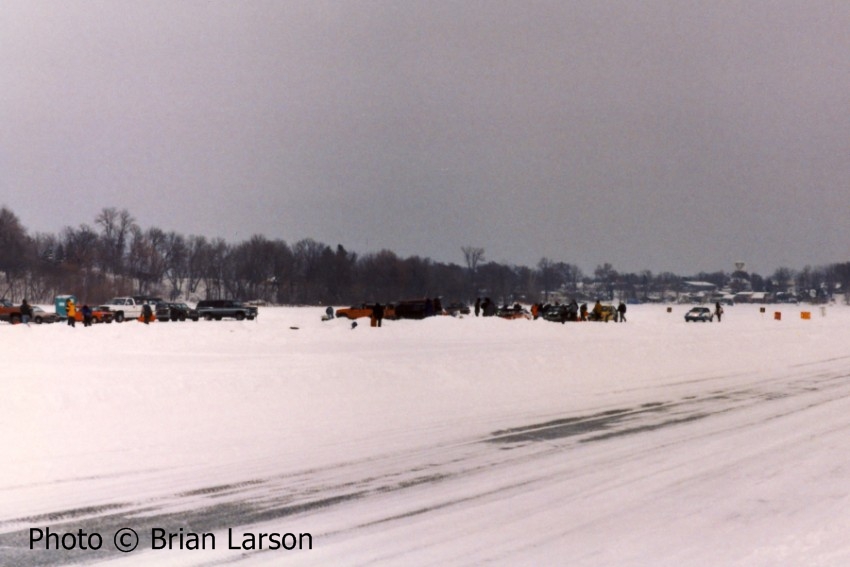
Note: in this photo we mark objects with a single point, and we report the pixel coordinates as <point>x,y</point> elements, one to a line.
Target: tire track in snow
<point>259,500</point>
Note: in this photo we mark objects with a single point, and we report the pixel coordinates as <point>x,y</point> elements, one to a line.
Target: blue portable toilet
<point>59,304</point>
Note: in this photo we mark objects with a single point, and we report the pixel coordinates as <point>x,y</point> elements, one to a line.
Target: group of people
<point>71,312</point>
<point>486,308</point>
<point>570,312</point>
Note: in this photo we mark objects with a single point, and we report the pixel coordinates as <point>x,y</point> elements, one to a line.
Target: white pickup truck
<point>123,308</point>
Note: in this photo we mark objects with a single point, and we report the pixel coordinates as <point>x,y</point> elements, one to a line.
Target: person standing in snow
<point>378,314</point>
<point>718,310</point>
<point>572,310</point>
<point>596,313</point>
<point>71,311</point>
<point>477,306</point>
<point>488,308</point>
<point>26,312</point>
<point>621,310</point>
<point>87,316</point>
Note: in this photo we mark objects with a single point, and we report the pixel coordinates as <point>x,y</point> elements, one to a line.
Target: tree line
<point>116,256</point>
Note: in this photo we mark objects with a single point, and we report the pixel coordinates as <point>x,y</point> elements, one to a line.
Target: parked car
<point>515,312</point>
<point>9,312</point>
<point>413,309</point>
<point>365,310</point>
<point>702,314</point>
<point>40,316</point>
<point>355,311</point>
<point>98,315</point>
<point>560,313</point>
<point>175,312</point>
<point>609,313</point>
<point>220,308</point>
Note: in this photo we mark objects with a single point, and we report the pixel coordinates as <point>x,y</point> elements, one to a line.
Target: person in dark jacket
<point>26,312</point>
<point>147,313</point>
<point>718,310</point>
<point>572,310</point>
<point>87,316</point>
<point>621,310</point>
<point>378,314</point>
<point>477,306</point>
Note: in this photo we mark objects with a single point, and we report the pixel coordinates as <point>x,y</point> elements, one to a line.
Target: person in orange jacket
<point>71,310</point>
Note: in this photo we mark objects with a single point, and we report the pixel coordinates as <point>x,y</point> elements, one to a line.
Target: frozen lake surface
<point>449,441</point>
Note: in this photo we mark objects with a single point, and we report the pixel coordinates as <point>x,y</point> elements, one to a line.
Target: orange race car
<point>97,316</point>
<point>364,310</point>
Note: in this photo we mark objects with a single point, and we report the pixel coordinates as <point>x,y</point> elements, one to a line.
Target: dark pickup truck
<point>220,308</point>
<point>175,312</point>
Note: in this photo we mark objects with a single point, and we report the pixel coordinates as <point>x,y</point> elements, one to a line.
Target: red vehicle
<point>9,312</point>
<point>365,310</point>
<point>97,315</point>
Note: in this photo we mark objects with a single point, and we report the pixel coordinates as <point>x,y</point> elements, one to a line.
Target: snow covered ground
<point>450,441</point>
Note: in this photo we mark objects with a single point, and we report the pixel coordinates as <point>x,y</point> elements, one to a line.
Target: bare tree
<point>547,275</point>
<point>308,255</point>
<point>116,228</point>
<point>606,275</point>
<point>13,247</point>
<point>80,250</point>
<point>380,276</point>
<point>254,264</point>
<point>214,266</point>
<point>198,250</point>
<point>283,271</point>
<point>473,257</point>
<point>176,256</point>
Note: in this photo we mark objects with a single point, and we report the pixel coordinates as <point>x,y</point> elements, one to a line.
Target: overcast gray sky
<point>663,135</point>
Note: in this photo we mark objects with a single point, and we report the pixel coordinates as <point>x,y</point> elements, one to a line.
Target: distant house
<point>698,286</point>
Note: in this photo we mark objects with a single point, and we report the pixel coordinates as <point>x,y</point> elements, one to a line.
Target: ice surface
<point>449,441</point>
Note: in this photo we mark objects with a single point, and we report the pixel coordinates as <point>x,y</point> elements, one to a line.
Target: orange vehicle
<point>365,310</point>
<point>97,316</point>
<point>9,312</point>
